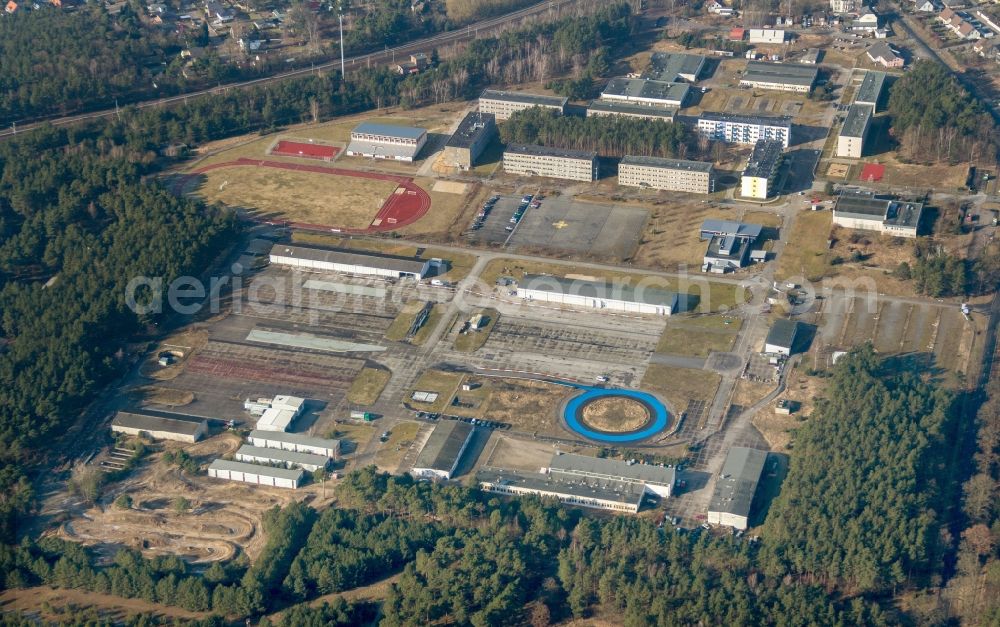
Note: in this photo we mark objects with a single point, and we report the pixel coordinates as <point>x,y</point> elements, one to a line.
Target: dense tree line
<point>935,119</point>
<point>59,61</point>
<point>77,223</point>
<point>609,136</point>
<point>859,506</point>
<point>344,551</point>
<point>483,561</point>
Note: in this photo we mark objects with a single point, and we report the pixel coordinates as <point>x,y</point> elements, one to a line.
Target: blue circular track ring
<point>659,416</point>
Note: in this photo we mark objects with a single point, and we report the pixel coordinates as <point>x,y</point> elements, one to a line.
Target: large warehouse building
<point>545,288</point>
<point>674,67</point>
<point>296,442</point>
<point>854,132</point>
<point>443,450</point>
<point>780,76</point>
<point>781,338</point>
<point>473,135</point>
<point>735,488</point>
<point>625,109</point>
<point>573,165</point>
<point>651,478</point>
<point>503,104</point>
<point>349,261</point>
<point>745,129</point>
<point>696,177</point>
<point>160,426</point>
<point>288,459</point>
<point>386,141</point>
<point>257,475</point>
<point>761,170</point>
<point>866,210</point>
<point>646,92</point>
<point>614,496</point>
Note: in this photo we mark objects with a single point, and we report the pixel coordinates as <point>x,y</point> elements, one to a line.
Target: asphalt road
<point>352,64</point>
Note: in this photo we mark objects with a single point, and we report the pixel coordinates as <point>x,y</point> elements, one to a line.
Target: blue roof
<point>735,229</point>
<point>374,128</point>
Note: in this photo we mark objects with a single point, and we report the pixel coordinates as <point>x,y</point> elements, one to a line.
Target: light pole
<point>341,17</point>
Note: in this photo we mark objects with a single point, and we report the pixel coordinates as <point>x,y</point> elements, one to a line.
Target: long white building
<point>745,129</point>
<point>646,92</point>
<point>735,488</point>
<point>442,452</point>
<point>255,474</point>
<point>349,261</point>
<point>503,104</point>
<point>871,212</point>
<point>757,180</point>
<point>798,78</point>
<point>544,288</point>
<point>696,177</point>
<point>159,426</point>
<point>854,131</point>
<point>296,442</point>
<point>612,496</point>
<point>573,165</point>
<point>274,456</point>
<point>651,478</point>
<point>386,141</point>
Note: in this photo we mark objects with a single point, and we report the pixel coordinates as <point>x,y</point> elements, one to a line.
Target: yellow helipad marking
<point>562,224</point>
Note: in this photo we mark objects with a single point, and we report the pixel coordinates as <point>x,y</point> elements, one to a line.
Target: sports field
<point>312,197</point>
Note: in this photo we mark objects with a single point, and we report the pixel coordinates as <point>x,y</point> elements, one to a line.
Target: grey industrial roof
<point>581,465</point>
<point>157,421</point>
<point>668,66</point>
<point>565,153</point>
<point>856,122</point>
<point>736,118</point>
<point>871,88</point>
<point>472,127</point>
<point>782,333</point>
<point>787,73</point>
<point>580,487</point>
<point>741,230</point>
<point>520,96</point>
<point>737,483</point>
<point>350,257</point>
<point>444,445</point>
<point>634,108</point>
<point>861,203</point>
<point>600,290</point>
<point>283,455</point>
<point>295,438</point>
<point>669,164</point>
<point>905,214</point>
<point>295,474</point>
<point>405,132</point>
<point>645,88</point>
<point>764,159</point>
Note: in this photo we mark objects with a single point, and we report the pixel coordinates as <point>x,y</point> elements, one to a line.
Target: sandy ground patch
<point>224,517</point>
<point>615,414</point>
<point>449,187</point>
<point>528,406</point>
<point>838,170</point>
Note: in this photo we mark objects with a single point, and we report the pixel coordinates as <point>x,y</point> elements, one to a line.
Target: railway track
<point>352,64</point>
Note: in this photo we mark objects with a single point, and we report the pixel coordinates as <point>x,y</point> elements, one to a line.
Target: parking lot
<point>493,229</point>
<point>598,230</point>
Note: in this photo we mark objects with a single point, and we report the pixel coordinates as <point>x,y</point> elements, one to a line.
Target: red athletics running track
<point>407,204</point>
<point>286,148</point>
